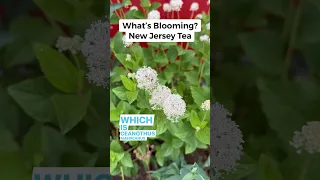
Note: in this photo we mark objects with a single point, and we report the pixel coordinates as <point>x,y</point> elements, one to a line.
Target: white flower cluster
<point>172,105</point>
<point>158,96</point>
<point>226,140</point>
<point>67,43</point>
<point>128,58</point>
<point>205,38</point>
<point>96,49</point>
<point>308,139</point>
<point>167,7</point>
<point>205,105</point>
<point>147,78</point>
<point>176,5</point>
<point>154,14</point>
<point>194,6</point>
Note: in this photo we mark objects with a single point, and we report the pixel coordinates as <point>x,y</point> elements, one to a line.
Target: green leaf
<point>155,5</point>
<point>114,7</point>
<point>33,96</point>
<point>172,53</point>
<point>273,6</point>
<point>269,169</point>
<point>70,109</point>
<point>192,77</point>
<point>59,10</point>
<point>128,83</point>
<point>45,143</point>
<point>301,166</point>
<point>160,123</point>
<point>139,14</point>
<point>98,134</point>
<point>204,135</point>
<point>264,49</point>
<point>17,52</point>
<point>145,3</point>
<point>13,166</point>
<point>117,44</point>
<point>10,118</point>
<point>161,58</point>
<point>116,146</point>
<point>309,25</point>
<point>120,92</point>
<point>132,96</point>
<point>126,160</point>
<point>194,119</point>
<point>57,68</point>
<point>7,139</point>
<point>199,95</point>
<point>280,102</point>
<point>122,58</point>
<point>33,29</point>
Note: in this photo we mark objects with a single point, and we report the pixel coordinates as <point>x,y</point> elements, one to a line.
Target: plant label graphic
<point>127,120</point>
<point>78,173</point>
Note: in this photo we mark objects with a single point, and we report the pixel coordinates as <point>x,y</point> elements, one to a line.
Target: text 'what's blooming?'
<point>155,30</point>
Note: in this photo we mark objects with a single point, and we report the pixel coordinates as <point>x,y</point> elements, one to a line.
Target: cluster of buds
<point>144,155</point>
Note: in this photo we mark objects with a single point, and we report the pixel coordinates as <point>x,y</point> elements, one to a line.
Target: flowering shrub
<point>170,81</point>
<point>266,74</point>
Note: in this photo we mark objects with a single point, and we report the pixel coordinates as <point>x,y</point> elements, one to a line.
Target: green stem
<point>304,168</point>
<point>122,175</point>
<point>292,40</point>
<point>131,148</point>
<point>95,113</point>
<point>80,81</point>
<point>201,72</point>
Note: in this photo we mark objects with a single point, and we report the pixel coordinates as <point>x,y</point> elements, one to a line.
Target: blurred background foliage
<point>45,121</point>
<point>266,72</point>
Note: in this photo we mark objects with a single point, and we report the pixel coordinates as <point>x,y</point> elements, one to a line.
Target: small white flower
<point>133,8</point>
<point>158,96</point>
<point>154,14</point>
<point>208,2</point>
<point>194,6</point>
<point>166,7</point>
<point>147,78</point>
<point>128,58</point>
<point>67,43</point>
<point>204,38</point>
<point>198,128</point>
<point>176,5</point>
<point>199,16</point>
<point>208,26</point>
<point>308,139</point>
<point>126,44</point>
<point>206,105</point>
<point>174,107</point>
<point>131,75</point>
